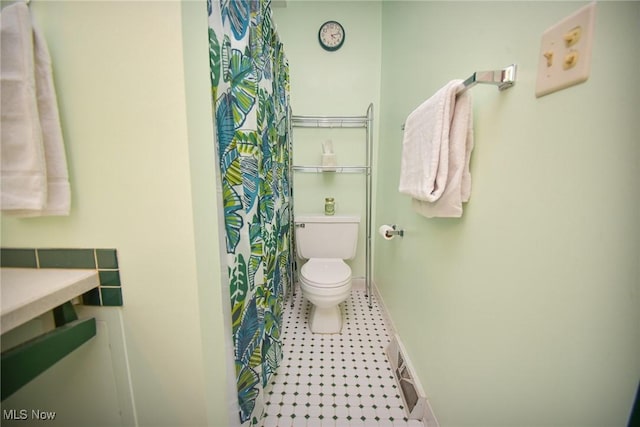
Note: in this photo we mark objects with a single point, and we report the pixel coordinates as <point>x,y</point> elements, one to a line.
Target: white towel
<point>33,163</point>
<point>437,145</point>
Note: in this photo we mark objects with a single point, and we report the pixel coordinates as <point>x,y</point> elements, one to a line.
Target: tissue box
<point>329,160</point>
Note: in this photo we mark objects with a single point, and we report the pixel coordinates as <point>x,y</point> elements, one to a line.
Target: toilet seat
<point>325,273</point>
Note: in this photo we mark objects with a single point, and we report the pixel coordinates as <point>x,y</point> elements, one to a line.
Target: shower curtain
<point>250,88</point>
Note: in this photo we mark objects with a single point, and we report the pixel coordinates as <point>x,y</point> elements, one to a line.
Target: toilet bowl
<point>325,283</point>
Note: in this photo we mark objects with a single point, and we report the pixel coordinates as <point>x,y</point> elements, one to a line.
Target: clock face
<point>331,35</point>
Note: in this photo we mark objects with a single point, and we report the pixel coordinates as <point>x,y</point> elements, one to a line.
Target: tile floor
<point>337,380</point>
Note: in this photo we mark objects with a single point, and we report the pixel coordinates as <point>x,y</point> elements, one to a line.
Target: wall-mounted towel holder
<point>504,79</point>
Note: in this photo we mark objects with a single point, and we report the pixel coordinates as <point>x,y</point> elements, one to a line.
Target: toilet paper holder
<point>394,232</point>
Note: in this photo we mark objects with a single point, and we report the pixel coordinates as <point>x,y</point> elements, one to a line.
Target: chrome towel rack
<point>503,78</point>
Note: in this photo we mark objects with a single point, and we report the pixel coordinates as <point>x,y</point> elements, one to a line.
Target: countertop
<point>27,293</point>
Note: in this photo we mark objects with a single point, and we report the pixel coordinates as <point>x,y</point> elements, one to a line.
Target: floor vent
<point>413,395</point>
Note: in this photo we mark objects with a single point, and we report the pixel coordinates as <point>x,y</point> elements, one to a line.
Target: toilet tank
<point>322,236</point>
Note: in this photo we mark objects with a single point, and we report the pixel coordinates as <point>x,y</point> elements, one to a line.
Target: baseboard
<point>417,405</point>
<point>358,284</point>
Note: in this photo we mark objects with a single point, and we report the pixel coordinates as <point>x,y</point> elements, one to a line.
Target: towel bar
<point>504,79</point>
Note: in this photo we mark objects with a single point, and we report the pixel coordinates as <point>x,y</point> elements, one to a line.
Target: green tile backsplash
<point>20,258</point>
<point>66,258</point>
<point>111,296</point>
<point>109,293</point>
<point>107,258</point>
<point>109,278</point>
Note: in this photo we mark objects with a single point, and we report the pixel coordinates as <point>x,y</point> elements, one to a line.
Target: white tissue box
<point>329,160</point>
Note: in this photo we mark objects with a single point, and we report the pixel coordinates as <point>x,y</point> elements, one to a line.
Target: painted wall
<point>523,312</point>
<point>526,310</point>
<point>133,87</point>
<point>337,83</point>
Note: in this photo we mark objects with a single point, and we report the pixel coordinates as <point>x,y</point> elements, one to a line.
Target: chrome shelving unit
<point>337,169</point>
<point>365,122</point>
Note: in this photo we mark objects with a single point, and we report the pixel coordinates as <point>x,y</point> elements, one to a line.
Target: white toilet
<point>325,279</point>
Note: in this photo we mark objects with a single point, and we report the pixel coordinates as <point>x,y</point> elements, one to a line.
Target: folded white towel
<point>436,153</point>
<point>33,163</point>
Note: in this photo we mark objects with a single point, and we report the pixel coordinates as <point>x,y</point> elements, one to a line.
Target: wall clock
<point>331,36</point>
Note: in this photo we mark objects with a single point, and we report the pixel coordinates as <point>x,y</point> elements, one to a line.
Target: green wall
<point>134,95</point>
<point>525,311</point>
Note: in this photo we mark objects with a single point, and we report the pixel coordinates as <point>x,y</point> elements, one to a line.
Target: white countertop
<point>27,293</point>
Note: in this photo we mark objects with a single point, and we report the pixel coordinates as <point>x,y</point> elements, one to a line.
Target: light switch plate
<point>565,52</point>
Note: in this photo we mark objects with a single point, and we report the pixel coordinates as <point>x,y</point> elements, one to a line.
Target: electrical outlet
<point>565,52</point>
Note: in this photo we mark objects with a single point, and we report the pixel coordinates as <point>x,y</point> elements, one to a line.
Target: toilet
<point>325,279</point>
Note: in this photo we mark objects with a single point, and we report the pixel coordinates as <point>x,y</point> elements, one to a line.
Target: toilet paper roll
<point>383,232</point>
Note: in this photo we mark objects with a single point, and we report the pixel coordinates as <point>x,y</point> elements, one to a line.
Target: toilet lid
<point>326,272</point>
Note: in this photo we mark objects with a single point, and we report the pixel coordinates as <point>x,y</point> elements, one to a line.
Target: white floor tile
<point>328,422</point>
<point>299,422</point>
<point>270,422</point>
<point>314,411</point>
<point>335,380</point>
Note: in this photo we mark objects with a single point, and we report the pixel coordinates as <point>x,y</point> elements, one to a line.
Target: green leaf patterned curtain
<point>250,87</point>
